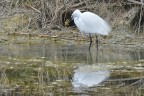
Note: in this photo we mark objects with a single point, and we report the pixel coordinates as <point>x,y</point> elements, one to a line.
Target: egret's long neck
<point>78,14</point>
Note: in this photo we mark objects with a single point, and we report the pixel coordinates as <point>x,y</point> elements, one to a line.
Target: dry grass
<point>47,13</point>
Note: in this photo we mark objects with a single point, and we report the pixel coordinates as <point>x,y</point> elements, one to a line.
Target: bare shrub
<point>48,13</point>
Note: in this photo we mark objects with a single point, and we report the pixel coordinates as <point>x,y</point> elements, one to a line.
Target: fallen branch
<point>136,2</point>
<point>125,79</point>
<point>137,82</point>
<point>33,8</point>
<point>78,5</point>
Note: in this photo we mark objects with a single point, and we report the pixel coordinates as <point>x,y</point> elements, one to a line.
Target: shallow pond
<point>45,67</point>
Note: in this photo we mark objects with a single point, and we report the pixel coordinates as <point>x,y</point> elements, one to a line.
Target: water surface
<point>62,68</point>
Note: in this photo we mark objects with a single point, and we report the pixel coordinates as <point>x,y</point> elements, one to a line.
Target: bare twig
<point>78,5</point>
<point>33,8</point>
<point>140,19</point>
<point>125,79</point>
<point>136,2</point>
<point>137,82</point>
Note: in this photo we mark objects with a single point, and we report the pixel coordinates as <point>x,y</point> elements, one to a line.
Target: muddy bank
<point>120,37</point>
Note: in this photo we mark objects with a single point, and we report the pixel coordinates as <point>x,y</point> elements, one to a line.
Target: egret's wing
<point>92,23</point>
<point>80,24</point>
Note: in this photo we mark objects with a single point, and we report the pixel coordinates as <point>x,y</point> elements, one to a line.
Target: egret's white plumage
<point>90,23</point>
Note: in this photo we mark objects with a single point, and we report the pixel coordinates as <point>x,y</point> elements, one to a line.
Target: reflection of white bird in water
<point>89,75</point>
<point>90,23</point>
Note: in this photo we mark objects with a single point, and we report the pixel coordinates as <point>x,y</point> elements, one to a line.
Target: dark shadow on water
<point>92,59</point>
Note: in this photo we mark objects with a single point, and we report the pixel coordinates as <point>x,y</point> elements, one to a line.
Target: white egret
<point>90,23</point>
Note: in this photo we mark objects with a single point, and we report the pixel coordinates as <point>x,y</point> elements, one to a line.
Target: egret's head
<point>75,14</point>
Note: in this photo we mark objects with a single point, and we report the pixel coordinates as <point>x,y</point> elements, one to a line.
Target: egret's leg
<point>90,41</point>
<point>97,41</point>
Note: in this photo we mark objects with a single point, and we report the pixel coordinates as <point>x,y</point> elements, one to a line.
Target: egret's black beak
<point>71,18</point>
